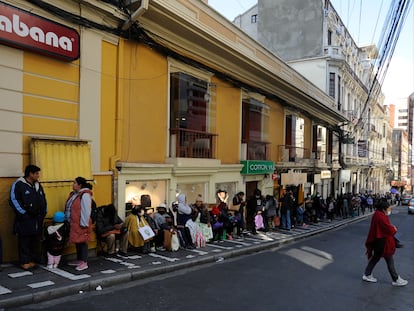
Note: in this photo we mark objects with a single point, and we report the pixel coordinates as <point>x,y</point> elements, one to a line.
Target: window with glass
<point>329,37</point>
<point>332,84</point>
<point>255,124</point>
<point>295,138</point>
<point>190,117</point>
<point>320,142</point>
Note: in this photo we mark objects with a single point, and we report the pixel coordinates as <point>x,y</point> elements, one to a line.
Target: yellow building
<point>172,99</point>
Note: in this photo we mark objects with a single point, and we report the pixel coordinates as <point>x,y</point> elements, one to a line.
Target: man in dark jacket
<point>28,200</point>
<point>109,228</point>
<point>287,206</point>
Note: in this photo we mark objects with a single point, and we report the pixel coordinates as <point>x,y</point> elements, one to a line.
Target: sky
<point>364,20</point>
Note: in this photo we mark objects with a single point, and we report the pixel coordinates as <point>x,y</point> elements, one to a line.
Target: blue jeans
<point>286,220</point>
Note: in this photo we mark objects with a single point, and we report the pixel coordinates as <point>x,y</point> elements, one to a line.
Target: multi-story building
<point>311,37</point>
<point>155,98</point>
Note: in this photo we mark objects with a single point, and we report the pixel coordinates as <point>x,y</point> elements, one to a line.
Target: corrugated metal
<point>62,160</point>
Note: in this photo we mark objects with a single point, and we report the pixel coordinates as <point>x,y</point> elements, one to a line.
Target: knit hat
<point>199,198</point>
<point>162,205</point>
<point>59,217</point>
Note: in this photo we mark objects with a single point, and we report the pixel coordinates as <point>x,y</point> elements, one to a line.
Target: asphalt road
<point>321,273</point>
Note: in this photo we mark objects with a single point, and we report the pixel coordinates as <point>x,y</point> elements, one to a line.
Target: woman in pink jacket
<point>381,243</point>
<point>78,213</point>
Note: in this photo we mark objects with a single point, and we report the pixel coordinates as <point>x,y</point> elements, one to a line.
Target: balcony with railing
<point>186,143</point>
<point>289,153</point>
<point>256,150</point>
<point>335,52</point>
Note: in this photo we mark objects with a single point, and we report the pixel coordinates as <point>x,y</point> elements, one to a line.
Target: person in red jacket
<point>381,243</point>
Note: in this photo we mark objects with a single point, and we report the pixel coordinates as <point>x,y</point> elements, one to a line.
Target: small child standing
<point>56,239</point>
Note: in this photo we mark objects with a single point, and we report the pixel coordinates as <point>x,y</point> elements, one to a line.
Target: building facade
<point>311,37</point>
<point>123,96</point>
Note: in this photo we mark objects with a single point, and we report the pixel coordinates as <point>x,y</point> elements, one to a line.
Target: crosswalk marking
<point>163,257</point>
<point>19,274</point>
<point>109,271</point>
<point>200,252</point>
<point>4,290</point>
<point>220,246</point>
<point>41,284</point>
<point>68,275</point>
<point>240,243</point>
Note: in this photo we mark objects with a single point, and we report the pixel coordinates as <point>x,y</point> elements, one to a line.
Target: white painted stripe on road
<point>201,253</point>
<point>239,242</point>
<point>19,274</point>
<point>109,271</point>
<point>123,263</point>
<point>67,275</point>
<point>4,290</point>
<point>255,241</point>
<point>164,257</point>
<point>221,247</point>
<point>134,257</point>
<point>41,284</point>
<point>216,250</point>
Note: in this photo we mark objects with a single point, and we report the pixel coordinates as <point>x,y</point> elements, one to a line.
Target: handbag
<point>276,221</point>
<point>175,243</point>
<point>258,221</point>
<point>145,231</point>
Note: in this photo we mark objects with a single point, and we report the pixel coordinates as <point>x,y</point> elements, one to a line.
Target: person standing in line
<point>381,243</point>
<point>287,205</point>
<point>78,213</point>
<point>56,239</point>
<point>28,200</point>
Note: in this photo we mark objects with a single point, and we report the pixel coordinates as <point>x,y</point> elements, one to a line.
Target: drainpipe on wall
<point>137,13</point>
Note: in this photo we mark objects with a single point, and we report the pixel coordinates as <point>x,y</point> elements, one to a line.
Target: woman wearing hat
<point>132,222</point>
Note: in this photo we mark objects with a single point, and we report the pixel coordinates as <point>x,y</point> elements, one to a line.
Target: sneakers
<point>369,278</point>
<point>122,254</point>
<point>399,282</point>
<point>74,263</point>
<point>28,266</point>
<point>82,266</point>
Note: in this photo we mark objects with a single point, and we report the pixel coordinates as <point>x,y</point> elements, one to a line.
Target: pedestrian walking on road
<point>78,213</point>
<point>28,200</point>
<point>381,243</point>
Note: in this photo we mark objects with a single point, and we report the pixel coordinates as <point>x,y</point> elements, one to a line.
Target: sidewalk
<point>18,287</point>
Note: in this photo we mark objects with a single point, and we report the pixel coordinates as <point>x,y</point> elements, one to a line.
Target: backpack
<point>94,210</point>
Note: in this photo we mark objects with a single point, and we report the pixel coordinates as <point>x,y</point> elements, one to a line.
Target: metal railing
<point>186,143</point>
<point>257,150</point>
<point>289,153</point>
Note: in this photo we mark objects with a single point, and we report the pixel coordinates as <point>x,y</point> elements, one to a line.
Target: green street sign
<point>255,167</point>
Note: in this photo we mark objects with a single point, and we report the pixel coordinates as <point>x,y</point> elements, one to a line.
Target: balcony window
<point>255,124</point>
<point>190,110</point>
<point>294,139</point>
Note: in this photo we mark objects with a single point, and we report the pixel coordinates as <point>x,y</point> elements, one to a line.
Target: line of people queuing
<point>166,228</point>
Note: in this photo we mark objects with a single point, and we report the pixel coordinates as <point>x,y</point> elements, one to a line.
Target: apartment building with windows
<point>311,37</point>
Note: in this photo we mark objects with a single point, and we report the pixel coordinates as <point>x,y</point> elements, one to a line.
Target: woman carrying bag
<point>381,243</point>
<point>135,223</point>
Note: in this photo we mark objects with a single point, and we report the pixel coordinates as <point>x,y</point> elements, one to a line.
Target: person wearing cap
<point>203,218</point>
<point>160,219</point>
<point>56,239</point>
<point>110,228</point>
